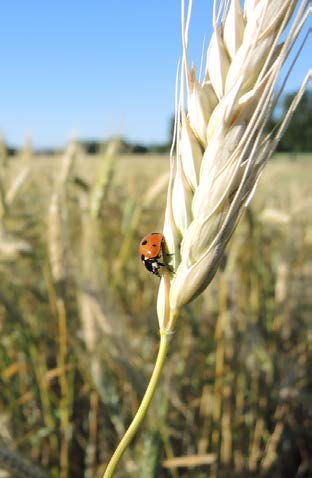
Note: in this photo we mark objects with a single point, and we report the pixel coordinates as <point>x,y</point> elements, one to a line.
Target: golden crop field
<point>79,332</point>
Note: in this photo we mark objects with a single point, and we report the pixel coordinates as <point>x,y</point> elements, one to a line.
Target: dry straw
<point>221,148</point>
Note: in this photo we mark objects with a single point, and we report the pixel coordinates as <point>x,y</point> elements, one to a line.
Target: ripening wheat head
<point>220,145</point>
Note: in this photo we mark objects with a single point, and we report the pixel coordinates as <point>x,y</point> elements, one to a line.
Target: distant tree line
<point>297,138</point>
<point>126,147</point>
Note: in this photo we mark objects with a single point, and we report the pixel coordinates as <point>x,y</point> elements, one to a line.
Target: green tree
<point>298,136</point>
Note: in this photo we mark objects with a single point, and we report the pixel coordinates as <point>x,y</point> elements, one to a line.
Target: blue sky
<point>91,69</point>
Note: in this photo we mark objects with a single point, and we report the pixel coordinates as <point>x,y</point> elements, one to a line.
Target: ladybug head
<point>152,265</point>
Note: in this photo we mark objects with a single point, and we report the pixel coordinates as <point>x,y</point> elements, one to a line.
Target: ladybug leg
<point>169,268</point>
<point>166,257</point>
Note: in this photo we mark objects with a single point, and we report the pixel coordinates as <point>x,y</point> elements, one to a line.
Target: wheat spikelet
<point>57,218</point>
<point>27,151</point>
<point>221,146</point>
<point>104,177</point>
<point>3,152</point>
<point>16,186</point>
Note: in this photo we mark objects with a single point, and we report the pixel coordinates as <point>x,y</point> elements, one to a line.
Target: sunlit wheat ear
<point>220,146</point>
<point>57,218</point>
<point>104,177</point>
<point>27,151</point>
<point>3,152</point>
<point>17,186</point>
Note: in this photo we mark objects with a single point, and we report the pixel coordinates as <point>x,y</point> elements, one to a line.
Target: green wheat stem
<point>137,420</point>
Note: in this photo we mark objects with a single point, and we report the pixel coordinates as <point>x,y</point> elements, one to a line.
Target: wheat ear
<point>221,147</point>
<point>220,151</point>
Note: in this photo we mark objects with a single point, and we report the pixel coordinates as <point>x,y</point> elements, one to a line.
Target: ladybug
<point>151,249</point>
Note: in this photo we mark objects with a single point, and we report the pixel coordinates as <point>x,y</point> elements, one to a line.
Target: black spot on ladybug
<point>144,242</point>
<point>154,245</point>
<point>142,257</point>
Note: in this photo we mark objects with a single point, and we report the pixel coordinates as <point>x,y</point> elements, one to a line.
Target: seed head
<point>220,145</point>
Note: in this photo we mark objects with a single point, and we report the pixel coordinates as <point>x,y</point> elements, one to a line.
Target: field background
<point>79,330</point>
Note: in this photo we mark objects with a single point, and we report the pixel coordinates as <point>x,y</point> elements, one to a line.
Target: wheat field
<point>79,332</point>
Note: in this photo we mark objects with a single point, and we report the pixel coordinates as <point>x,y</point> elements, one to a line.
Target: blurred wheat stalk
<point>221,148</point>
<point>58,246</point>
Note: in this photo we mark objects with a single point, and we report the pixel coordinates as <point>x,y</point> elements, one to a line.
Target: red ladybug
<point>151,249</point>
